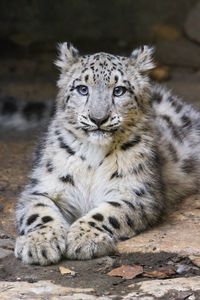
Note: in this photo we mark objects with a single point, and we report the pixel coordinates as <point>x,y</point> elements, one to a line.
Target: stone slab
<point>176,288</point>
<point>39,290</point>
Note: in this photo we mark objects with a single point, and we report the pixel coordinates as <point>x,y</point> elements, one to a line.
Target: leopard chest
<point>97,177</point>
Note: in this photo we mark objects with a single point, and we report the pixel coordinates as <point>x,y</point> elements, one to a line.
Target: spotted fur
<point>109,165</point>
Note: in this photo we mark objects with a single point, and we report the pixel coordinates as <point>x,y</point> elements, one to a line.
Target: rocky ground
<point>162,263</point>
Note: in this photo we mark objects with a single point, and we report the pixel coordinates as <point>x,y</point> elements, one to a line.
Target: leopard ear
<point>68,55</point>
<point>142,58</point>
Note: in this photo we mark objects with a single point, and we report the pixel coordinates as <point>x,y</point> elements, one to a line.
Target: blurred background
<point>31,29</point>
<point>29,33</point>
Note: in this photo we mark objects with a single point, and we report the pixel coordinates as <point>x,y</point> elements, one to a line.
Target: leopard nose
<point>99,121</point>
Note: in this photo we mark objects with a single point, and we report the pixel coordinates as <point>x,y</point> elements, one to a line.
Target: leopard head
<point>103,94</point>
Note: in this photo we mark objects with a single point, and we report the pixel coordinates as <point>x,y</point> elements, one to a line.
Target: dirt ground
<point>93,273</point>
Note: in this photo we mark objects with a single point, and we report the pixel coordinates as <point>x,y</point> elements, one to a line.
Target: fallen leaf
<point>65,271</point>
<point>160,273</point>
<point>195,259</point>
<point>126,271</point>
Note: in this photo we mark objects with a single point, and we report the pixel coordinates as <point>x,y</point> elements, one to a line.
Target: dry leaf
<point>195,259</point>
<point>160,273</point>
<point>126,271</point>
<point>65,271</point>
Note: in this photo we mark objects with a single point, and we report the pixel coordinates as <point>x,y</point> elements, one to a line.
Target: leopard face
<point>102,94</point>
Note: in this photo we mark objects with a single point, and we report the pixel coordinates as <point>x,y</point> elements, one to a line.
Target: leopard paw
<point>86,242</point>
<point>43,246</point>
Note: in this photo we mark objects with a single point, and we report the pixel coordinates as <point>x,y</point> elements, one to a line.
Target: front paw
<point>86,242</point>
<point>43,246</point>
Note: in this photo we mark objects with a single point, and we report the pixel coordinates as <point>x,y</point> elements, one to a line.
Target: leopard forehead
<point>103,66</point>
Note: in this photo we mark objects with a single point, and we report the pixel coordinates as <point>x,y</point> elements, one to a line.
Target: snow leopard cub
<point>117,151</point>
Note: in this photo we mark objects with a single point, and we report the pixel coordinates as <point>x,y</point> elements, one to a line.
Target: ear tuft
<point>142,58</point>
<point>68,55</point>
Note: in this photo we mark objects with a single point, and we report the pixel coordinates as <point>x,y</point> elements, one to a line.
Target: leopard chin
<point>100,137</point>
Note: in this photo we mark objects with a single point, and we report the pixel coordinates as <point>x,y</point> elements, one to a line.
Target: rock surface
<point>177,288</point>
<point>40,290</point>
<point>192,25</point>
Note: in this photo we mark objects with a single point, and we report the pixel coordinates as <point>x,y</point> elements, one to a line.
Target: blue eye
<point>119,91</point>
<point>82,90</point>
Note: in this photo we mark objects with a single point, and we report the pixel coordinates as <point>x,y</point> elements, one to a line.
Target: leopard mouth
<point>101,131</point>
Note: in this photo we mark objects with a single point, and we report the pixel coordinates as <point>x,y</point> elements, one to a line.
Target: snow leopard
<point>119,151</point>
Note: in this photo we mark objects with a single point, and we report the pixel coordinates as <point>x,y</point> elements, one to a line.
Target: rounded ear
<point>68,55</point>
<point>142,58</point>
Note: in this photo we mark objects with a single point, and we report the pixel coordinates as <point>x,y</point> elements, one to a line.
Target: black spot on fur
<point>129,222</point>
<point>67,99</point>
<point>47,219</point>
<point>65,146</point>
<point>21,220</point>
<point>139,192</point>
<point>93,224</point>
<point>44,253</point>
<point>115,175</point>
<point>32,219</point>
<point>38,225</point>
<point>58,247</point>
<point>170,99</point>
<point>115,204</point>
<point>157,97</point>
<point>113,221</point>
<point>174,129</point>
<point>67,179</point>
<point>98,228</point>
<point>178,108</point>
<point>98,217</point>
<point>34,182</point>
<point>49,166</point>
<point>82,157</point>
<point>30,254</point>
<point>57,132</point>
<point>36,193</point>
<point>107,229</point>
<point>43,226</point>
<point>78,250</point>
<point>137,169</point>
<point>131,143</point>
<point>189,165</point>
<point>21,232</point>
<point>123,238</point>
<point>186,121</point>
<point>116,78</point>
<point>129,204</point>
<point>40,204</point>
